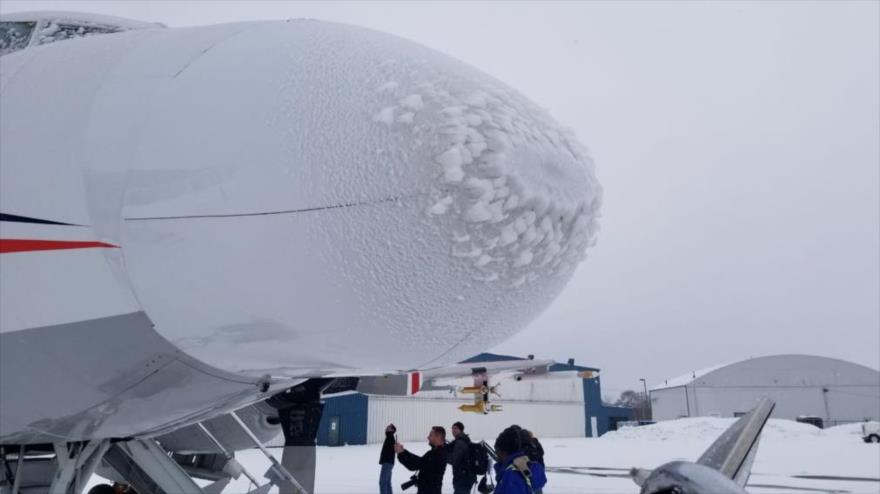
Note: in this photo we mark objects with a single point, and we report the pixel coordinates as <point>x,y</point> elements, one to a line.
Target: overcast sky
<point>738,144</point>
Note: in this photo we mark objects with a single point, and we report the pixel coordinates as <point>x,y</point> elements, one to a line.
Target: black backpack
<point>478,459</point>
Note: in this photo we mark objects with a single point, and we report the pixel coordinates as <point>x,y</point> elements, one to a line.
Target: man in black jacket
<point>431,466</point>
<point>459,456</point>
<point>386,459</point>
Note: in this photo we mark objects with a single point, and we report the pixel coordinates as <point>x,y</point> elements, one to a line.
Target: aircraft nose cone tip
<point>515,193</point>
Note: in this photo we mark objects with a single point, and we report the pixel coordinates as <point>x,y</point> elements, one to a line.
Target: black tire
<point>102,489</point>
<point>874,438</point>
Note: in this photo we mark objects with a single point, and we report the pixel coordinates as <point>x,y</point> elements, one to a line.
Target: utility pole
<point>647,402</point>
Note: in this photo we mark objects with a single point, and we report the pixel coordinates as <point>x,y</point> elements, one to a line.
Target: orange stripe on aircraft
<point>10,245</point>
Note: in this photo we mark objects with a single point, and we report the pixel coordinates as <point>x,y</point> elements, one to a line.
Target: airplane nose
<point>363,202</point>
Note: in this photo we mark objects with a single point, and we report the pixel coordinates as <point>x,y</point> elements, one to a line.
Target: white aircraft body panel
<point>294,198</point>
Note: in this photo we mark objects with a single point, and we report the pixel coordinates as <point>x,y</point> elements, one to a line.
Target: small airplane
<point>206,230</point>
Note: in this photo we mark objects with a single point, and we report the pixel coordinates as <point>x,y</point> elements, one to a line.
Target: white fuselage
<point>289,198</point>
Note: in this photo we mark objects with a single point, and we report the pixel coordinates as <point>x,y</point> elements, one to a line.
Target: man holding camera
<point>431,466</point>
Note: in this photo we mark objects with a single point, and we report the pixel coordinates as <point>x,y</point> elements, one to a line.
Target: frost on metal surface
<point>22,29</point>
<point>14,36</point>
<point>516,191</point>
<point>510,193</point>
<point>57,30</point>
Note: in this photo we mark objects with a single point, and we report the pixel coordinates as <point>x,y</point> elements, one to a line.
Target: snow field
<point>587,465</point>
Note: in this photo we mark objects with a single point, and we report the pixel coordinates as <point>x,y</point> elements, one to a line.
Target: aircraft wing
<point>409,383</point>
<point>724,468</point>
<point>734,451</point>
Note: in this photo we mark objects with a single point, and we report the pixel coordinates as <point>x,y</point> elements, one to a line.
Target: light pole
<point>647,404</point>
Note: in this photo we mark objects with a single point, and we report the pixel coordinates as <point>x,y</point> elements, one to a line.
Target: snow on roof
<point>685,379</point>
<point>79,17</point>
<point>494,357</point>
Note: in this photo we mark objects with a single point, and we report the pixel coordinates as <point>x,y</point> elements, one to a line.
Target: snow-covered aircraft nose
<point>313,195</point>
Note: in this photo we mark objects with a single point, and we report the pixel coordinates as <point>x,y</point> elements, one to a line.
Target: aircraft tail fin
<point>733,453</point>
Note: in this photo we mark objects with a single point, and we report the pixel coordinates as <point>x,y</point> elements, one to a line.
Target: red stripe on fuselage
<point>9,245</point>
<point>416,382</point>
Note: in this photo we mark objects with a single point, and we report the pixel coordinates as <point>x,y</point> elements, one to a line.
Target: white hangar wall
<point>835,390</point>
<point>414,417</point>
<point>549,408</point>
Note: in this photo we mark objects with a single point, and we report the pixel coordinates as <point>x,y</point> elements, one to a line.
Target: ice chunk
<point>441,206</point>
<point>473,120</point>
<point>451,162</point>
<point>413,102</point>
<point>508,235</point>
<point>477,148</point>
<point>478,212</point>
<point>477,99</point>
<point>385,116</point>
<point>483,260</point>
<point>479,188</point>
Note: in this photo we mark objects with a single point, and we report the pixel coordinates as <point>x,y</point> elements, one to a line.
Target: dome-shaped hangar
<point>835,390</point>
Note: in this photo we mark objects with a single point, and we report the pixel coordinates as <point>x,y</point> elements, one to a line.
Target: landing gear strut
<point>300,410</point>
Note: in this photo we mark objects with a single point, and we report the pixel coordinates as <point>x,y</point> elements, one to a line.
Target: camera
<point>484,487</point>
<point>409,483</point>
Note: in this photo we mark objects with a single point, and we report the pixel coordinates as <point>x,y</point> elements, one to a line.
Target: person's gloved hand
<point>521,463</point>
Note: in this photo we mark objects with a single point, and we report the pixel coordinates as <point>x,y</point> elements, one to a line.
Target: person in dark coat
<point>431,466</point>
<point>459,457</point>
<point>386,459</point>
<point>531,446</point>
<point>515,473</point>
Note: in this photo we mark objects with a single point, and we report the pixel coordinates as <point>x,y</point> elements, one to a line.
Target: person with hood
<point>533,449</point>
<point>386,459</point>
<point>459,457</point>
<point>531,446</point>
<point>515,473</point>
<point>431,466</point>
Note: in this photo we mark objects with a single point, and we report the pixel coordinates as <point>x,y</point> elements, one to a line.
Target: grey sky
<point>738,144</point>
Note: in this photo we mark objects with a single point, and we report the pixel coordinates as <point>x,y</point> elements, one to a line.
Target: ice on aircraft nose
<point>516,191</point>
<point>512,193</point>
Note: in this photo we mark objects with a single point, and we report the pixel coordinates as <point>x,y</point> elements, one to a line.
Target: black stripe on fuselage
<point>14,218</point>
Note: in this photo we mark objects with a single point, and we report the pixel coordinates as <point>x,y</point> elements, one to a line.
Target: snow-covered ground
<point>788,452</point>
<point>792,458</point>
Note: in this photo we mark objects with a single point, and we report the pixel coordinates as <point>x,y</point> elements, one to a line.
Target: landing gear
<point>300,410</point>
<point>33,469</point>
<point>147,467</point>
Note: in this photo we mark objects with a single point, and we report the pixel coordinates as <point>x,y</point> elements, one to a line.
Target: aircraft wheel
<point>874,438</point>
<point>102,489</point>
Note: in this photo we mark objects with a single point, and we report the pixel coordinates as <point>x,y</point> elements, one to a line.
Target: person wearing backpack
<point>463,475</point>
<point>514,472</point>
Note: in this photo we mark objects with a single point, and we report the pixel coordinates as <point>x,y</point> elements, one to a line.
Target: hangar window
<point>15,36</point>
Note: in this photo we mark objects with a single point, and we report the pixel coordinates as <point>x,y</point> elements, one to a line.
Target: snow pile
<point>845,430</point>
<point>699,428</point>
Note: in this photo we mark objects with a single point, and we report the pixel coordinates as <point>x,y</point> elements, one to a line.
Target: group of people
<point>518,469</point>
